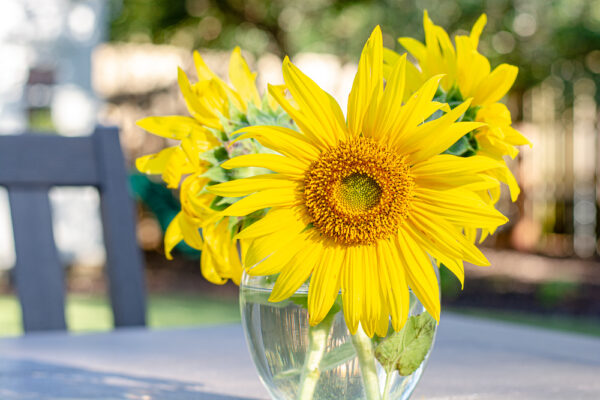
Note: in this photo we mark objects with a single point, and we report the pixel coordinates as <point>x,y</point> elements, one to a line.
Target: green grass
<point>92,313</point>
<point>571,324</point>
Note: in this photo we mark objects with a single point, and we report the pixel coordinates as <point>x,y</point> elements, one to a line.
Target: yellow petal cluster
<point>209,102</point>
<point>415,199</point>
<point>470,72</point>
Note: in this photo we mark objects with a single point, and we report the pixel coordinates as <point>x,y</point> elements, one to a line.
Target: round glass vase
<point>298,362</point>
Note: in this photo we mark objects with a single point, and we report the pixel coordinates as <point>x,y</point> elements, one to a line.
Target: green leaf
<point>337,356</point>
<point>405,351</point>
<point>330,360</point>
<point>216,174</point>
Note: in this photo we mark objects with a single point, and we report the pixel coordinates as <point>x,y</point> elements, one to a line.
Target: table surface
<point>472,359</point>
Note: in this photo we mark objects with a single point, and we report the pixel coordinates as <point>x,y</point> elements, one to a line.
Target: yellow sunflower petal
<point>420,275</point>
<point>257,183</point>
<point>371,302</point>
<point>447,164</point>
<point>260,200</point>
<point>296,272</point>
<point>274,162</point>
<point>266,245</point>
<point>321,111</point>
<point>154,163</point>
<point>418,142</point>
<point>390,102</point>
<point>393,280</point>
<point>496,85</point>
<point>460,207</point>
<point>221,253</point>
<point>506,176</point>
<point>173,236</point>
<point>411,114</point>
<point>414,47</point>
<point>477,29</point>
<point>383,325</point>
<point>311,132</point>
<point>191,232</point>
<point>440,237</point>
<point>325,284</point>
<point>472,67</point>
<point>242,78</point>
<point>454,265</point>
<point>171,127</point>
<point>275,220</point>
<point>352,289</point>
<point>282,140</point>
<point>209,266</point>
<point>199,111</point>
<point>204,73</point>
<point>368,82</point>
<point>277,261</point>
<point>177,166</point>
<point>515,137</point>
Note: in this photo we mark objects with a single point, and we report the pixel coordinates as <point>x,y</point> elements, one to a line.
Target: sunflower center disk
<point>358,192</point>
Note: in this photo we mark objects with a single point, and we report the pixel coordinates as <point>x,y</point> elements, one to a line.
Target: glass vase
<point>298,362</point>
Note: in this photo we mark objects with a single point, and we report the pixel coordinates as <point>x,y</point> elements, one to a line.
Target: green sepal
<point>405,350</point>
<point>471,113</point>
<point>466,146</point>
<point>220,203</point>
<point>215,156</point>
<point>454,96</point>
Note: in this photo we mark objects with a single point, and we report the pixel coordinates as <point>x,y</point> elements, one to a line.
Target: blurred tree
<point>542,37</point>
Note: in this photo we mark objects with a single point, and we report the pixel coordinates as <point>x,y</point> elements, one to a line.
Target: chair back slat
<point>126,281</point>
<point>29,166</point>
<point>38,271</point>
<point>27,160</point>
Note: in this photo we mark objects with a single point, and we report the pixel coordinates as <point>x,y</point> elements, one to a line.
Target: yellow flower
<point>210,102</point>
<point>220,260</point>
<point>470,73</point>
<point>362,205</point>
<point>209,99</point>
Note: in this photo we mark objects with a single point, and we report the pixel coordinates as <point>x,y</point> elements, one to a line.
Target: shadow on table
<point>34,380</point>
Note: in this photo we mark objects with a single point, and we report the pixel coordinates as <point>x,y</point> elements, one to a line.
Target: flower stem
<point>387,386</point>
<point>317,342</point>
<point>366,360</point>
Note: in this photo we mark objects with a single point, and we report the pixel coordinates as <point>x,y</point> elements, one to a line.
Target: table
<point>473,359</point>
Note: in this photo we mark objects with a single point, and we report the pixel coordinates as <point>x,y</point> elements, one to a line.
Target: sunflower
<point>209,103</point>
<point>216,109</point>
<point>467,75</point>
<point>361,205</point>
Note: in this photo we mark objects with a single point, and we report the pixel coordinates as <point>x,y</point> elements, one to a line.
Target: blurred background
<point>68,65</point>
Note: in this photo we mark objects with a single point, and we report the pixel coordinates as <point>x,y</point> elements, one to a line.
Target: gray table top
<point>473,359</point>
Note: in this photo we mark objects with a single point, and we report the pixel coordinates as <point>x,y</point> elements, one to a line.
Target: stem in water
<point>366,359</point>
<point>317,342</point>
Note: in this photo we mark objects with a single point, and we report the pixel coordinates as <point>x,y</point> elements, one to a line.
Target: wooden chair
<point>31,164</point>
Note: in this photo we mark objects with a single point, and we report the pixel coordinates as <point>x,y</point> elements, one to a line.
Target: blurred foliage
<point>552,294</point>
<point>40,120</point>
<point>161,203</point>
<point>542,37</point>
<point>92,313</point>
<point>565,323</point>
